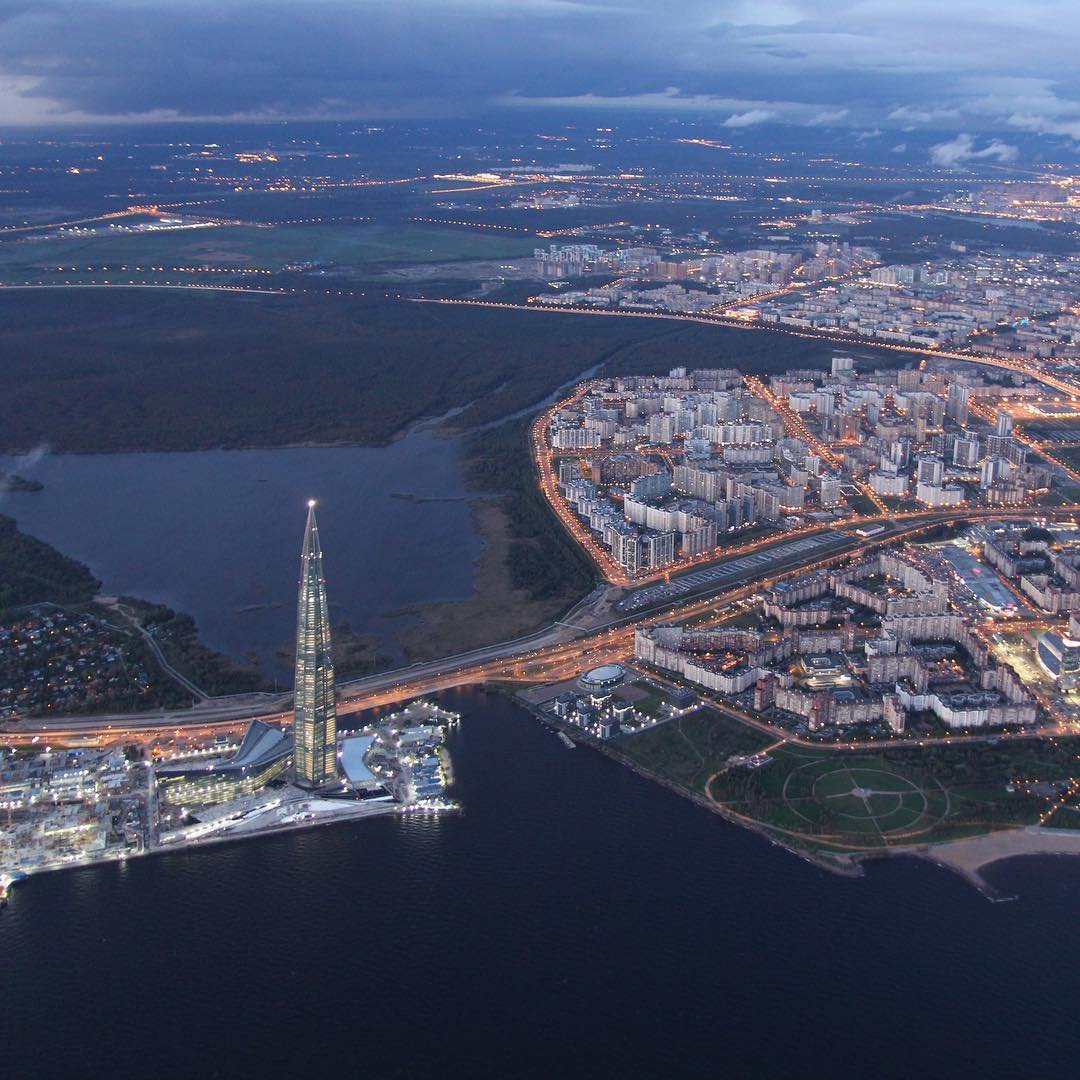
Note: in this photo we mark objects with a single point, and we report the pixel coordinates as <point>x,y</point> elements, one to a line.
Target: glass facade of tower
<point>314,710</point>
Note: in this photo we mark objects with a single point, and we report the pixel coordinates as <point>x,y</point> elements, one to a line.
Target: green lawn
<point>690,749</point>
<point>862,504</point>
<point>918,794</point>
<point>1070,455</point>
<point>241,246</point>
<point>650,704</point>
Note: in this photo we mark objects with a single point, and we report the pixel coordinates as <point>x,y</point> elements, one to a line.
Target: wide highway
<point>557,653</point>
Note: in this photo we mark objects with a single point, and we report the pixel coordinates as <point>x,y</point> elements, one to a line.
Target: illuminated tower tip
<point>311,504</point>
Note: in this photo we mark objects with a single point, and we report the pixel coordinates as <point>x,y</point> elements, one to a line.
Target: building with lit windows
<point>314,707</point>
<point>263,756</point>
<point>1059,656</point>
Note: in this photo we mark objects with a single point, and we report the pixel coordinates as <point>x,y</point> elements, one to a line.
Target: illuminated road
<point>544,460</point>
<point>507,662</point>
<point>794,425</point>
<point>544,456</point>
<point>185,285</point>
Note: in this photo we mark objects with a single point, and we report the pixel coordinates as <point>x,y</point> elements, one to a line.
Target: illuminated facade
<point>1059,655</point>
<point>314,709</point>
<point>262,756</point>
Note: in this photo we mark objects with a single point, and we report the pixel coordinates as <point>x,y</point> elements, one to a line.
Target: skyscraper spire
<point>314,708</point>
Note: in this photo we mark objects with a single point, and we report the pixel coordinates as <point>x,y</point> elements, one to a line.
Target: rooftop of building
<point>353,750</point>
<point>262,744</point>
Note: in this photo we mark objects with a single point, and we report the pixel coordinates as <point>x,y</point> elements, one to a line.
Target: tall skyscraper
<point>314,708</point>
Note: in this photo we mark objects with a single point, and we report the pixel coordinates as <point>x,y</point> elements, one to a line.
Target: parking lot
<point>758,564</point>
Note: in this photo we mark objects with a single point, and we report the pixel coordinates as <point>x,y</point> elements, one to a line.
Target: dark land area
<point>61,652</point>
<point>121,370</point>
<point>178,638</point>
<point>542,559</point>
<point>14,482</point>
<point>47,603</point>
<point>33,572</point>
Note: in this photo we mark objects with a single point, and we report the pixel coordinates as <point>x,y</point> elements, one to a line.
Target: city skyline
<point>692,393</point>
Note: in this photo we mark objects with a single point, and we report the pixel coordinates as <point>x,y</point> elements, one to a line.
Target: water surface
<point>217,533</point>
<point>574,920</point>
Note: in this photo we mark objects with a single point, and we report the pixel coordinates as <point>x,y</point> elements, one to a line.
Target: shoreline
<point>447,627</point>
<point>972,855</point>
<point>381,810</point>
<point>823,862</point>
<point>968,856</point>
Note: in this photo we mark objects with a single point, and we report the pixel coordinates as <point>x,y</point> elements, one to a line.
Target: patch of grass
<point>921,794</point>
<point>862,504</point>
<point>239,247</point>
<point>691,748</point>
<point>1065,817</point>
<point>650,704</point>
<point>543,558</point>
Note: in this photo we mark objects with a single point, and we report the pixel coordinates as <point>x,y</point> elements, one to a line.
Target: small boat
<point>566,740</point>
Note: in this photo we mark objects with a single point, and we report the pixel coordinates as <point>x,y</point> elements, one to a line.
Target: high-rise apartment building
<point>931,470</point>
<point>958,403</point>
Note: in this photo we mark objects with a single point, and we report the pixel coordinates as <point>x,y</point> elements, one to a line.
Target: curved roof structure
<point>605,675</point>
<point>605,672</point>
<point>262,744</point>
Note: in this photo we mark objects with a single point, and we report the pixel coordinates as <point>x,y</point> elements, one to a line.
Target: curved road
<point>550,655</point>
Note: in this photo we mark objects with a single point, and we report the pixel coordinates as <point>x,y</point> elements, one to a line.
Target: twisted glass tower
<point>314,709</point>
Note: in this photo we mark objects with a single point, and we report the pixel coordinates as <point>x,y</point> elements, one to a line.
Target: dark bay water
<point>217,533</point>
<point>574,920</point>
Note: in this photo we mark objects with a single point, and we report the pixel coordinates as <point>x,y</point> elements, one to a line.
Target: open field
<point>32,572</point>
<point>830,800</point>
<point>690,749</point>
<point>1070,455</point>
<point>238,247</point>
<point>110,370</point>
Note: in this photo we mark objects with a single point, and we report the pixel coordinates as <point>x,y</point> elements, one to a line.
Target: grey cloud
<point>749,118</point>
<point>962,150</point>
<point>1043,125</point>
<point>828,118</point>
<point>868,63</point>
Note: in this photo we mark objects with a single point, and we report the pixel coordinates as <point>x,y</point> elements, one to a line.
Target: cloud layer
<point>986,67</point>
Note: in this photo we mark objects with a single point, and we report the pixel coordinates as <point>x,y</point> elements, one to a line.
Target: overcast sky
<point>979,70</point>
